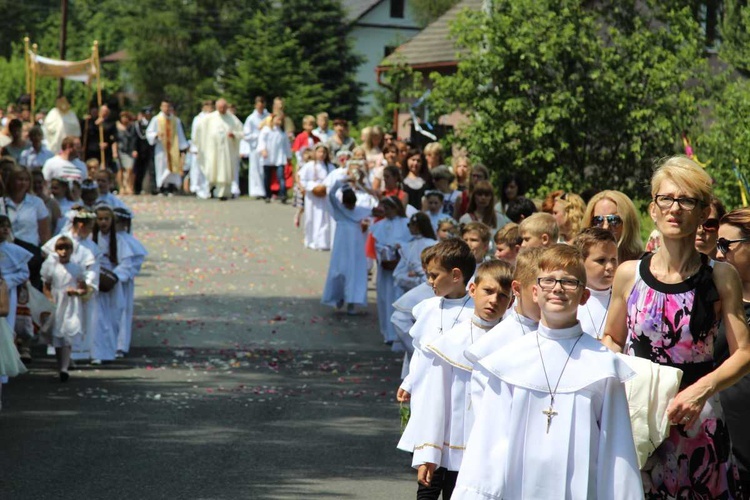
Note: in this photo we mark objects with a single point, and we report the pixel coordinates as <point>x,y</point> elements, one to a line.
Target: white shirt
<point>275,141</point>
<point>30,158</point>
<point>322,135</point>
<point>251,131</point>
<point>25,217</point>
<point>58,168</point>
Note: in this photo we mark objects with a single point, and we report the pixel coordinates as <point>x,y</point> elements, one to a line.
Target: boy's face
<point>102,182</point>
<point>560,302</point>
<point>64,252</point>
<point>525,297</point>
<point>477,246</point>
<point>506,252</point>
<point>442,280</point>
<point>490,299</point>
<point>601,265</point>
<point>434,204</point>
<point>4,231</point>
<point>442,185</point>
<point>444,232</point>
<point>531,240</point>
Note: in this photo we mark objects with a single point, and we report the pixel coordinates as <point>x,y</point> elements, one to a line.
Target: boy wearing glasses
<point>553,422</point>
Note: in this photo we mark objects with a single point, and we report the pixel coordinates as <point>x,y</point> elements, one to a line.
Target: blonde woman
<point>667,307</point>
<point>568,212</point>
<point>614,211</point>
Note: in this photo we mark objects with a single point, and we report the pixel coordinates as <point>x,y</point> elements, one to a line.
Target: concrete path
<point>240,384</point>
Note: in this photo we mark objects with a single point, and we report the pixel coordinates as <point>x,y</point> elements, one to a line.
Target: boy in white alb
<point>553,422</point>
<point>448,271</point>
<point>599,249</point>
<point>445,415</point>
<point>521,319</point>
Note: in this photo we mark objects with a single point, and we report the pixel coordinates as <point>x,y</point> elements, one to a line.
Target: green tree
<point>726,140</point>
<point>558,91</point>
<point>735,34</point>
<point>267,61</point>
<point>325,42</point>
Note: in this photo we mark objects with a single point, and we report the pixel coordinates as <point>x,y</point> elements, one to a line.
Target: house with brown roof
<point>432,50</point>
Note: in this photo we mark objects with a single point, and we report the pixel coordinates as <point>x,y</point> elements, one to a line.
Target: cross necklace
<point>442,301</point>
<point>550,412</point>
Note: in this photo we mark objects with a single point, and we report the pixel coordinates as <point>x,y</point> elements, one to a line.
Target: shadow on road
<point>216,408</point>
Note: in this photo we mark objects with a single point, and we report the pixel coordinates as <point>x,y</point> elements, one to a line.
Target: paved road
<point>239,384</point>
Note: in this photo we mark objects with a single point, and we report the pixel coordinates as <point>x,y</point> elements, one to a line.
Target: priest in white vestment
<point>198,182</point>
<point>60,123</point>
<point>217,138</point>
<point>251,131</point>
<point>166,134</point>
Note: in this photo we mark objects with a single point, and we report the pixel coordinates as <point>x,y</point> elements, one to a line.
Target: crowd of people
<point>68,258</point>
<point>510,313</point>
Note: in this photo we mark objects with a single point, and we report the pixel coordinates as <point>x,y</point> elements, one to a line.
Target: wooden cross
<point>550,413</point>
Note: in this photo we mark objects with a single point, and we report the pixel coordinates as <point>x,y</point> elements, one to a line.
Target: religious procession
<point>565,327</point>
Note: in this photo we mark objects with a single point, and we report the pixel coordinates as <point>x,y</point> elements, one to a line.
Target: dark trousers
<point>144,165</point>
<point>443,481</point>
<point>279,169</point>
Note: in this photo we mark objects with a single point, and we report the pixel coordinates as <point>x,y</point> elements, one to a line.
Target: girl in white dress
<point>139,253</point>
<point>312,178</point>
<point>116,257</point>
<point>64,284</point>
<point>346,282</point>
<point>409,271</point>
<point>388,233</point>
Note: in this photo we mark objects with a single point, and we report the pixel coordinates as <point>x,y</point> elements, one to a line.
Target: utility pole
<point>63,39</point>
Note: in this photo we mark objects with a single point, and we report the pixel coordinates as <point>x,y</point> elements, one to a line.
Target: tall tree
<point>324,39</point>
<point>426,11</point>
<point>559,92</point>
<point>267,60</point>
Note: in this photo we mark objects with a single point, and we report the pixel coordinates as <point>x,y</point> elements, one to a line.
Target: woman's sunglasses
<point>612,220</point>
<point>722,244</point>
<point>711,225</point>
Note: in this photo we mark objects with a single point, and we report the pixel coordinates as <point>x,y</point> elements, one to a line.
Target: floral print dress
<point>675,325</point>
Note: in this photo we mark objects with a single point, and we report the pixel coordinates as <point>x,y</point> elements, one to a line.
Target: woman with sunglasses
<point>614,211</point>
<point>708,232</point>
<point>734,248</point>
<point>667,307</point>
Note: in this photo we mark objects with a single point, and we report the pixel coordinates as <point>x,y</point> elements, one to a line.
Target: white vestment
<point>218,153</point>
<point>402,319</point>
<point>387,233</point>
<point>198,182</point>
<point>251,131</point>
<point>57,126</point>
<point>317,215</point>
<point>588,451</point>
<point>85,254</point>
<point>593,314</point>
<point>411,261</point>
<point>446,414</point>
<point>165,176</point>
<point>14,269</point>
<point>139,253</point>
<point>112,303</point>
<point>347,270</point>
<point>69,316</point>
<point>513,326</point>
<point>433,317</point>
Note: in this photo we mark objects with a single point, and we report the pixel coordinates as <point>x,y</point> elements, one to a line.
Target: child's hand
<point>402,396</point>
<point>425,472</point>
<point>74,292</point>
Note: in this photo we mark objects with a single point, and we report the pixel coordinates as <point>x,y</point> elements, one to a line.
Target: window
<point>397,9</point>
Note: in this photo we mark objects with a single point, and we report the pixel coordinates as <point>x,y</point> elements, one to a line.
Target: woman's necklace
<point>598,331</point>
<point>442,301</point>
<point>550,412</point>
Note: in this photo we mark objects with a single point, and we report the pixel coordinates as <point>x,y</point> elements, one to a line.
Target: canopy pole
<point>95,61</point>
<point>33,82</point>
<point>63,40</point>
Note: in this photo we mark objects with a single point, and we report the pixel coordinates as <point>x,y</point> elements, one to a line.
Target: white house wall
<point>372,33</point>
